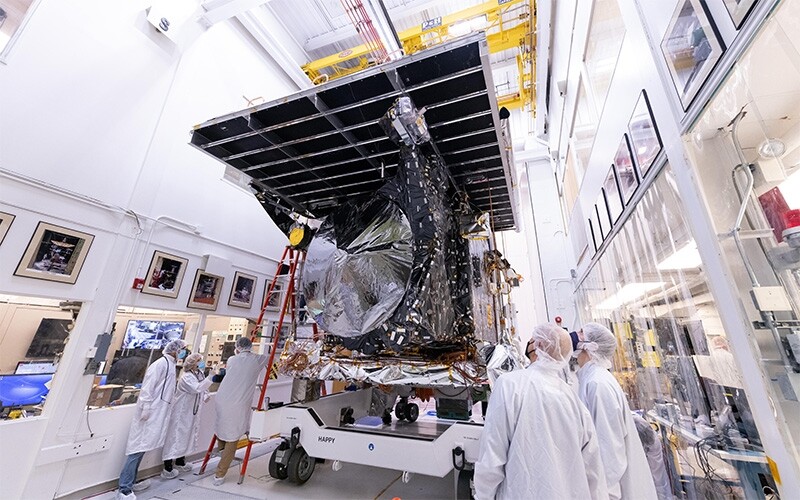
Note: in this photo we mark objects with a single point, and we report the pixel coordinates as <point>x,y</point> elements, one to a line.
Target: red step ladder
<point>295,259</point>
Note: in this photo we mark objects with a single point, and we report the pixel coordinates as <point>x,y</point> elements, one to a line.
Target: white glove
<point>145,414</point>
<point>206,397</point>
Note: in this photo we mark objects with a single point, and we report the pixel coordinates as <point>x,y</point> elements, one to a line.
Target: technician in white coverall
<point>184,421</point>
<point>149,426</point>
<point>234,401</point>
<point>627,472</point>
<point>538,440</point>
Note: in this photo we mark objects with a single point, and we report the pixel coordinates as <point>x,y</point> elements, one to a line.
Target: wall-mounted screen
<point>49,338</point>
<point>147,334</point>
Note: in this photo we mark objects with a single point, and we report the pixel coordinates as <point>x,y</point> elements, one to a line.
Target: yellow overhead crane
<point>502,34</point>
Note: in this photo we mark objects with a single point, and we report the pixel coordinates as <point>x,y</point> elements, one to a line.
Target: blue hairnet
<point>174,346</point>
<point>244,344</point>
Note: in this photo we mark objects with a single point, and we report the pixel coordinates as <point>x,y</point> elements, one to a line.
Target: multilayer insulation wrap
<point>393,271</point>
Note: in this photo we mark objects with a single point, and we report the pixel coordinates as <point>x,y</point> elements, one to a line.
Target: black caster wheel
<point>300,467</point>
<point>387,417</point>
<point>400,411</point>
<point>412,412</point>
<point>276,469</point>
<point>464,489</point>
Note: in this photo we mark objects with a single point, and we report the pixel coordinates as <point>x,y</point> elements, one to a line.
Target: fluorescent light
<point>460,28</point>
<point>628,293</point>
<point>686,258</point>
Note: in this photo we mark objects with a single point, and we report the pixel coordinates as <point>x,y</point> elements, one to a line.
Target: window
<point>673,359</point>
<point>33,334</point>
<point>764,84</point>
<point>604,41</point>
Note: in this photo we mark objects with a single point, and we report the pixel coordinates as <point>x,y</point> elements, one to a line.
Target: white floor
<point>352,482</point>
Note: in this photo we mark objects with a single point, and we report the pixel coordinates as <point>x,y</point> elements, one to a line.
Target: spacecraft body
<point>392,271</point>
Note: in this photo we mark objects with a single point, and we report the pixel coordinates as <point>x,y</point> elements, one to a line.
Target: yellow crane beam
<point>505,34</point>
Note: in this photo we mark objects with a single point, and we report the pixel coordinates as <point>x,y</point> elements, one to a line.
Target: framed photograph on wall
<point>739,10</point>
<point>205,291</point>
<point>274,301</point>
<point>613,196</point>
<point>603,217</point>
<point>626,173</point>
<point>243,290</point>
<point>5,223</point>
<point>165,275</point>
<point>55,253</point>
<point>643,134</point>
<point>691,47</point>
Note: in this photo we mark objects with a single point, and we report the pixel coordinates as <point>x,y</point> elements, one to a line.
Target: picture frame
<point>643,134</point>
<point>242,290</point>
<point>603,216</point>
<point>691,48</point>
<point>739,10</point>
<point>206,290</point>
<point>55,253</point>
<point>611,190</point>
<point>276,300</point>
<point>5,224</point>
<point>627,178</point>
<point>165,275</point>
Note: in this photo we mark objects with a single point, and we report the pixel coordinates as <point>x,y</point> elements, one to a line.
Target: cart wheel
<point>277,470</point>
<point>412,412</point>
<point>400,411</point>
<point>464,489</point>
<point>301,466</point>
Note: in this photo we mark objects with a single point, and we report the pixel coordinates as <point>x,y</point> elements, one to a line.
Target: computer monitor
<point>49,338</point>
<point>24,390</point>
<point>146,334</point>
<point>33,367</point>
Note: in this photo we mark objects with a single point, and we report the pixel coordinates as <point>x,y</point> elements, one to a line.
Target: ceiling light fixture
<point>771,148</point>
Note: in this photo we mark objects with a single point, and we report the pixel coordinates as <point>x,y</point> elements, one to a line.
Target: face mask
<point>201,365</point>
<point>575,340</point>
<point>183,353</point>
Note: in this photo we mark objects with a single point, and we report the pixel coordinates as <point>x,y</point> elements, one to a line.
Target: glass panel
<point>673,361</point>
<point>758,107</point>
<point>606,33</point>
<point>584,128</point>
<point>570,182</point>
<point>32,338</point>
<point>12,15</point>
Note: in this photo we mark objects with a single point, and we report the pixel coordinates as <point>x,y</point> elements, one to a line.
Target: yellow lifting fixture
<point>504,31</point>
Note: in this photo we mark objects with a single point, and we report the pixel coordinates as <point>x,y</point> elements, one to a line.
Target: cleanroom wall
<point>97,109</point>
<point>641,66</point>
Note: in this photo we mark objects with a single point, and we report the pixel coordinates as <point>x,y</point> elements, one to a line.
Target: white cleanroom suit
<point>538,440</point>
<point>149,426</point>
<point>234,398</point>
<point>627,472</point>
<point>184,422</point>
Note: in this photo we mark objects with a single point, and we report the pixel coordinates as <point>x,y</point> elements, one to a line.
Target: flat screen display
<point>24,390</point>
<point>49,338</point>
<point>146,334</point>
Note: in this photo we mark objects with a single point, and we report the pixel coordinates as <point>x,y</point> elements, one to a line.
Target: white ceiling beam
<point>383,25</point>
<point>273,37</point>
<point>348,31</point>
<point>220,10</point>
